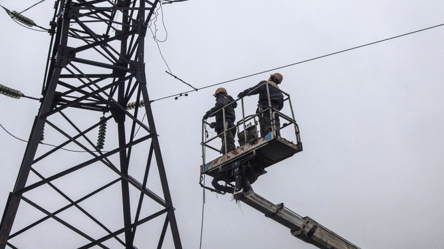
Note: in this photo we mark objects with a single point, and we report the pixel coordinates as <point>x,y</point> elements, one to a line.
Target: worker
<point>219,110</point>
<point>276,102</point>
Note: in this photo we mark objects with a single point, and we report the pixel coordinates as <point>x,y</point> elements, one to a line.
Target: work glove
<point>212,125</point>
<point>242,94</point>
<point>206,116</point>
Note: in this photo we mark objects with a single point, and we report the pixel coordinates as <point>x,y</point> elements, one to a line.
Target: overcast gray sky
<point>371,119</point>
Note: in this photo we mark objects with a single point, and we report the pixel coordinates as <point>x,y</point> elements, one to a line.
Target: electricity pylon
<point>82,193</point>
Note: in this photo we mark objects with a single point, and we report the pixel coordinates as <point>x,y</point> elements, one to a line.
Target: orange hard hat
<point>278,76</point>
<point>220,90</point>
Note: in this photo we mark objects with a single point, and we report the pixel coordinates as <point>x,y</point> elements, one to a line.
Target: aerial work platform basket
<point>265,150</point>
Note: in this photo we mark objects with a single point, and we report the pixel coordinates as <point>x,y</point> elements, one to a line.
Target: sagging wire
<point>24,26</point>
<point>150,23</point>
<point>154,21</point>
<point>9,133</point>
<point>304,61</point>
<point>154,33</point>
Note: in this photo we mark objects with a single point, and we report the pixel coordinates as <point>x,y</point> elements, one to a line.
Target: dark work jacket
<point>222,99</point>
<point>276,96</point>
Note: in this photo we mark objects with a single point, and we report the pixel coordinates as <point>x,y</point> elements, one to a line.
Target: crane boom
<point>304,228</point>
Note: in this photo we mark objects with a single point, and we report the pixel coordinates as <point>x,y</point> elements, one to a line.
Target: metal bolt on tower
<point>90,190</point>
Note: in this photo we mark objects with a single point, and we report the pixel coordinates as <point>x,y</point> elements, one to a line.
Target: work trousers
<point>265,121</point>
<point>229,141</point>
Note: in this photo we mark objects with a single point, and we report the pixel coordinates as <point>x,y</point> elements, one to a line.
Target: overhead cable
<point>9,133</point>
<point>12,135</point>
<point>176,1</point>
<point>195,89</point>
<point>304,61</point>
<point>154,20</point>
<point>155,25</point>
<point>32,6</point>
<point>25,26</point>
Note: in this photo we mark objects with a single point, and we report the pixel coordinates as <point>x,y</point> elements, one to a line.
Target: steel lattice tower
<point>95,77</point>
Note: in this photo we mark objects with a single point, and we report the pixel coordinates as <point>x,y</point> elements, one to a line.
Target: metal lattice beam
<point>96,68</point>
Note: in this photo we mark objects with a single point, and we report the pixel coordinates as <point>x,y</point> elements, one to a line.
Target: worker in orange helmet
<point>219,110</point>
<point>275,102</point>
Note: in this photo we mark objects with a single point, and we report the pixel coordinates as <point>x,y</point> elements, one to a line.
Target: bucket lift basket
<point>269,148</point>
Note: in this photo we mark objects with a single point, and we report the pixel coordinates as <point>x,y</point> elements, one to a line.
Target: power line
<point>155,25</point>
<point>12,135</point>
<point>44,30</point>
<point>160,51</point>
<point>304,61</point>
<point>182,81</point>
<point>32,6</point>
<point>81,151</point>
<point>153,21</point>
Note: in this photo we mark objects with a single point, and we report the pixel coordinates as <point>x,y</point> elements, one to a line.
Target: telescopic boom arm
<point>303,228</point>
